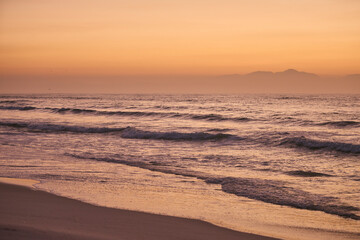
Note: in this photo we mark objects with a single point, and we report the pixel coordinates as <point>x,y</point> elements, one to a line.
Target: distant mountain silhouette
<point>290,80</point>
<point>295,73</point>
<point>290,74</point>
<point>284,82</point>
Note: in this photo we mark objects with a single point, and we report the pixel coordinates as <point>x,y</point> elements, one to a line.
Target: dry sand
<point>26,213</point>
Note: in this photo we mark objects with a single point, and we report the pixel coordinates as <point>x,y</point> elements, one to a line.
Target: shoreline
<point>28,213</point>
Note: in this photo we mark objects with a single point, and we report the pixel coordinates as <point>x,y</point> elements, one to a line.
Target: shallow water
<point>256,163</point>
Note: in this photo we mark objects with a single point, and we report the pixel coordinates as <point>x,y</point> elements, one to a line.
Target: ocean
<point>286,166</point>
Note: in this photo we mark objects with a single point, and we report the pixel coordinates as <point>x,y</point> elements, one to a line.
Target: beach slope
<point>31,214</point>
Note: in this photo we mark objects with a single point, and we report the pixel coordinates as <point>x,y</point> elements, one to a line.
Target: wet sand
<point>26,213</point>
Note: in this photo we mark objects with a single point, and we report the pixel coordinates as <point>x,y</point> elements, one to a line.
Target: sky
<point>67,40</point>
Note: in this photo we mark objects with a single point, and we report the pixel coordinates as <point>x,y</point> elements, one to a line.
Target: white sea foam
<point>270,191</point>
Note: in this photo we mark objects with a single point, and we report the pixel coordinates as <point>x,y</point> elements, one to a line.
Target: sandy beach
<point>26,213</point>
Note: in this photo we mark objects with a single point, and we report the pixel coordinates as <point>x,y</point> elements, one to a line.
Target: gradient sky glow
<point>112,37</point>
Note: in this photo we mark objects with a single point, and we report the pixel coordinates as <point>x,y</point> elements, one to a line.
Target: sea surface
<point>281,165</point>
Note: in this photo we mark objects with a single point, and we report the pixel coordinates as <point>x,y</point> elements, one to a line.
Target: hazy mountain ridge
<point>285,74</point>
<point>289,73</point>
<point>288,81</point>
<point>293,81</point>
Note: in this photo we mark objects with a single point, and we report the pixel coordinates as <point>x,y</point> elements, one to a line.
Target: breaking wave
<point>128,132</point>
<point>26,108</point>
<point>207,117</point>
<point>317,144</point>
<point>276,192</point>
<point>71,110</point>
<point>269,191</point>
<point>134,133</point>
<point>48,127</point>
<point>301,173</point>
<point>341,123</point>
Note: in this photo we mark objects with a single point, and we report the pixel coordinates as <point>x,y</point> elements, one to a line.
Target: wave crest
<point>341,123</point>
<point>128,132</point>
<point>134,133</point>
<point>26,108</point>
<point>300,173</point>
<point>317,144</point>
<point>206,117</point>
<point>276,192</point>
<point>48,127</point>
<point>270,191</point>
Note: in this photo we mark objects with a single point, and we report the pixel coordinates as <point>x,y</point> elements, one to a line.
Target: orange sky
<point>169,37</point>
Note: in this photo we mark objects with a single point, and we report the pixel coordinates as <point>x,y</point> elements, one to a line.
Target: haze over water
<point>234,160</point>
